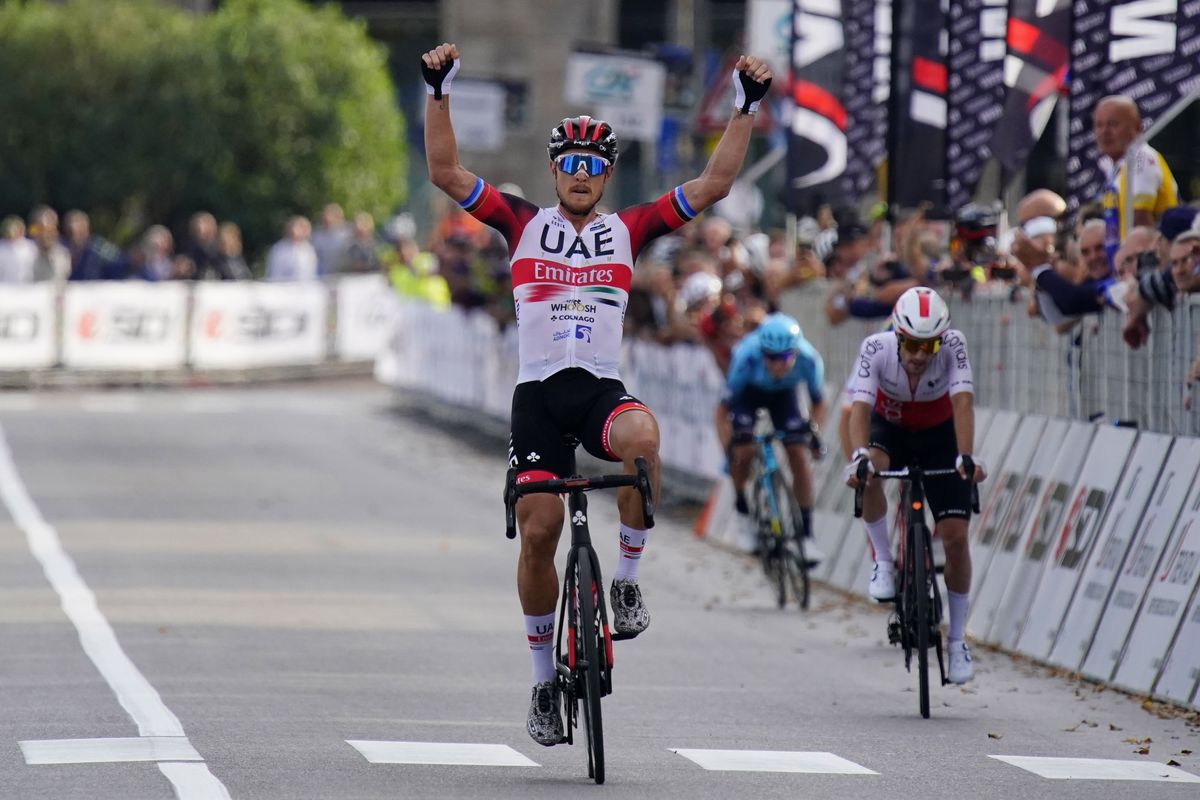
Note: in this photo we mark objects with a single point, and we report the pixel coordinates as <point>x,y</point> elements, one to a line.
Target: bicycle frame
<point>786,565</point>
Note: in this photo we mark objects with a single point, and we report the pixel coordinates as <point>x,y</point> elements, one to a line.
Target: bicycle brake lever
<point>510,503</point>
<point>858,490</point>
<point>974,497</point>
<point>644,489</point>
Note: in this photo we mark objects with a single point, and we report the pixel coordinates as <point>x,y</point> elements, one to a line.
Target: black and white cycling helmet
<point>921,314</point>
<point>583,133</point>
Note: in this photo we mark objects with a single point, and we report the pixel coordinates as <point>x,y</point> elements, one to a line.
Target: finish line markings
<point>441,753</point>
<point>773,761</point>
<point>1103,769</point>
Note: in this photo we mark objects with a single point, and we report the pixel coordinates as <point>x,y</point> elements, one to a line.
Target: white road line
<point>773,761</point>
<point>472,755</point>
<point>96,751</point>
<point>133,691</point>
<point>1103,769</point>
<point>193,781</point>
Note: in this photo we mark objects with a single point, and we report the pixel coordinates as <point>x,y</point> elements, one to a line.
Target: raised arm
<point>752,78</point>
<point>438,67</point>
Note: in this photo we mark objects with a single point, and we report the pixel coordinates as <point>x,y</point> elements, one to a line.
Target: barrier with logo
<point>124,325</point>
<point>28,330</point>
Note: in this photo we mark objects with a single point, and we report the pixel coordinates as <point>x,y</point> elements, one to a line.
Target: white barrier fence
<point>1086,553</point>
<point>147,327</point>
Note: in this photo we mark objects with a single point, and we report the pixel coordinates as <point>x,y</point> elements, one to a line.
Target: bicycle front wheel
<point>591,648</point>
<point>796,565</point>
<point>919,599</point>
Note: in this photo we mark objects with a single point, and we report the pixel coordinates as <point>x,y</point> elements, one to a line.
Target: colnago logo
<point>1136,35</point>
<point>574,305</point>
<point>575,277</point>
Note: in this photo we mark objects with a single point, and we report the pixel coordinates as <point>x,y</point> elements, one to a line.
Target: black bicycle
<point>780,535</point>
<point>916,623</point>
<point>584,667</point>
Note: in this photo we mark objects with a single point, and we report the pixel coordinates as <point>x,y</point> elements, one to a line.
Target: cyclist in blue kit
<point>766,370</point>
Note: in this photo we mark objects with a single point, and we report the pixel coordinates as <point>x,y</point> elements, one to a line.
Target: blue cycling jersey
<point>748,370</point>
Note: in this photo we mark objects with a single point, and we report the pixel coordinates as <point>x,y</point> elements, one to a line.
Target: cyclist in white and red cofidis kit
<point>913,400</point>
<point>571,270</point>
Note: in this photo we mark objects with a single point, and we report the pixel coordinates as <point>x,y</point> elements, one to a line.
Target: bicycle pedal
<point>893,630</point>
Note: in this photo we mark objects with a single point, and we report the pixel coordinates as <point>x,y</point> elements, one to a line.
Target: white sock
<point>540,632</point>
<point>959,603</point>
<point>633,542</point>
<point>877,532</point>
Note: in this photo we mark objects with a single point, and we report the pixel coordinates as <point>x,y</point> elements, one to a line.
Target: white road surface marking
<point>773,761</point>
<point>1105,769</point>
<point>133,691</point>
<point>97,751</point>
<point>447,753</point>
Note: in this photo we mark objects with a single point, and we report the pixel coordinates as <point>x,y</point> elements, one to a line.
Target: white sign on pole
<point>769,33</point>
<point>624,90</point>
<point>1138,569</point>
<point>478,115</point>
<point>1171,587</point>
<point>27,326</point>
<point>1077,534</point>
<point>1129,504</point>
<point>124,325</point>
<point>1019,492</point>
<point>366,306</point>
<point>1040,536</point>
<point>240,324</point>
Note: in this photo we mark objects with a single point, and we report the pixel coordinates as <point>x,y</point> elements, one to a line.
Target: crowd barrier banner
<point>1007,452</point>
<point>1138,569</point>
<point>28,326</point>
<point>1090,501</point>
<point>1096,583</point>
<point>366,305</point>
<point>237,325</point>
<point>1040,535</point>
<point>1171,585</point>
<point>1181,672</point>
<point>986,597</point>
<point>124,326</point>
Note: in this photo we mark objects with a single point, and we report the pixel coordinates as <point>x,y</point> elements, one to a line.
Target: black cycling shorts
<point>931,448</point>
<point>782,405</point>
<point>550,416</point>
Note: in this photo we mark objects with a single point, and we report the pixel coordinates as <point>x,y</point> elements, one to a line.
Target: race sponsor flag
<point>916,164</point>
<point>866,86</point>
<point>1034,72</point>
<point>975,97</point>
<point>816,155</point>
<point>1147,51</point>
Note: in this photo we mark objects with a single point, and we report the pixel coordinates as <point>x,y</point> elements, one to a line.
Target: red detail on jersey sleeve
<point>647,221</point>
<point>504,212</point>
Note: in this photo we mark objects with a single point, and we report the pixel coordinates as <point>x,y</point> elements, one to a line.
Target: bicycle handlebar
<point>514,491</point>
<point>904,474</point>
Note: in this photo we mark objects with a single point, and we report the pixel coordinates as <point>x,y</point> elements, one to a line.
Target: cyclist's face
<point>777,367</point>
<point>914,363</point>
<point>579,193</point>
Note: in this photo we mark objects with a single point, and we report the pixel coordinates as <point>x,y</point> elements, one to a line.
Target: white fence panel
<point>366,306</point>
<point>1077,534</point>
<point>28,326</point>
<point>124,325</point>
<point>241,325</point>
<point>1129,504</point>
<point>1181,672</point>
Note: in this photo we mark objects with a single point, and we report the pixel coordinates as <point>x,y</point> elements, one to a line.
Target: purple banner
<point>866,86</point>
<point>917,164</point>
<point>975,100</point>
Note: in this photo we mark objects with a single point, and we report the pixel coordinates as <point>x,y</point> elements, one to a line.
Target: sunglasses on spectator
<point>786,355</point>
<point>570,163</point>
<point>916,345</point>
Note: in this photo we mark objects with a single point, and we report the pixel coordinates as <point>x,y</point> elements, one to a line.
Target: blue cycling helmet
<point>779,333</point>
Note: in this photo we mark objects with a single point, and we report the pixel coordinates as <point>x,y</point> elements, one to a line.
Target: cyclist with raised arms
<point>767,367</point>
<point>913,399</point>
<point>571,272</point>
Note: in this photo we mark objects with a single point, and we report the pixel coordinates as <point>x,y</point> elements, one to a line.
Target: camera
<point>1147,260</point>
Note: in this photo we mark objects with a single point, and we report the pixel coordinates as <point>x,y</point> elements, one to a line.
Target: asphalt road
<point>284,570</point>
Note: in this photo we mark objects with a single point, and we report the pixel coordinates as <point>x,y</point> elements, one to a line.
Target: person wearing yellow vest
<point>413,274</point>
<point>1116,123</point>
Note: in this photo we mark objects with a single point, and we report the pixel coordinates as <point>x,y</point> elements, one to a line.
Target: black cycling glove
<point>437,81</point>
<point>747,92</point>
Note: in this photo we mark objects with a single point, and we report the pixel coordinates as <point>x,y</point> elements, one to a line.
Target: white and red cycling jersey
<point>571,288</point>
<point>913,404</point>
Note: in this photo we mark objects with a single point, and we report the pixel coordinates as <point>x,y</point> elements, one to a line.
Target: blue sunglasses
<point>571,163</point>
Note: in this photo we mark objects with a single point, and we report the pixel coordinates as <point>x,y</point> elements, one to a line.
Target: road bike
<point>781,539</point>
<point>584,665</point>
<point>916,623</point>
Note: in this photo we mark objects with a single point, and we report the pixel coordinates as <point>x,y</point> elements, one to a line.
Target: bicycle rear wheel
<point>591,650</point>
<point>919,598</point>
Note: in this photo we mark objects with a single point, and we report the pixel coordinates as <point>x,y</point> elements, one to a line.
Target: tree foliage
<point>139,112</point>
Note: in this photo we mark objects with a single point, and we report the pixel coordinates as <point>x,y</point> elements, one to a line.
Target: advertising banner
<point>816,155</point>
<point>240,325</point>
<point>1020,490</point>
<point>1181,670</point>
<point>975,99</point>
<point>366,305</point>
<point>917,165</point>
<point>866,87</point>
<point>1147,51</point>
<point>28,317</point>
<point>478,115</point>
<point>1129,504</point>
<point>1078,532</point>
<point>769,36</point>
<point>124,325</point>
<point>1144,554</point>
<point>625,90</point>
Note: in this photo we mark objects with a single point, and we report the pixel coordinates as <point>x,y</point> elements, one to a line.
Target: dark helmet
<point>583,133</point>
